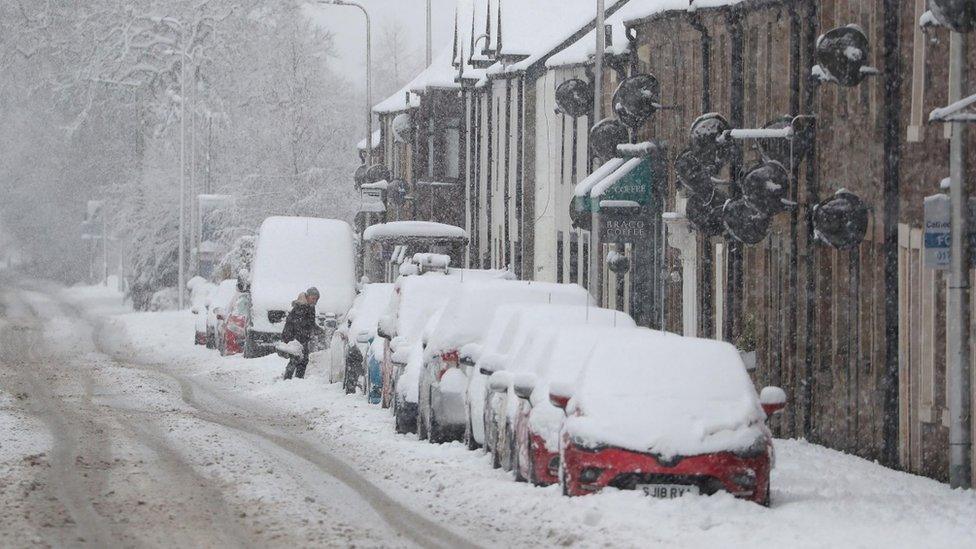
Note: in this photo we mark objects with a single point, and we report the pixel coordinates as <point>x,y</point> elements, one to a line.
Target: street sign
<point>937,235</point>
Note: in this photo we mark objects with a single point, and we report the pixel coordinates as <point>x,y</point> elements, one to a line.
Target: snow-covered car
<point>200,291</point>
<point>360,334</point>
<point>551,355</point>
<point>217,301</point>
<point>521,354</point>
<point>667,415</point>
<point>292,255</point>
<point>464,321</point>
<point>233,324</point>
<point>415,302</point>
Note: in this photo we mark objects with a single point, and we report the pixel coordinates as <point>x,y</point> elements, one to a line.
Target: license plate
<point>668,491</point>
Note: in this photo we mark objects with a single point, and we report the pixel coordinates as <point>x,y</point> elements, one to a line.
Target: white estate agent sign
<point>937,234</point>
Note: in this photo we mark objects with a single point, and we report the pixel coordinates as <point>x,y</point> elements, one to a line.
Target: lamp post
<point>429,50</point>
<point>369,65</point>
<point>596,262</point>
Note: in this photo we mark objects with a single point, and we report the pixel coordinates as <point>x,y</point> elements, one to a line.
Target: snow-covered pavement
<point>282,437</point>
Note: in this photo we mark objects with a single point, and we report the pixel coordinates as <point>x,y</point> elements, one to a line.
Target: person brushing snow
<point>300,326</point>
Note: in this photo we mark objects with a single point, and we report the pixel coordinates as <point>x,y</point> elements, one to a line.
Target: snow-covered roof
<point>377,134</point>
<point>667,395</point>
<point>467,316</point>
<point>584,187</point>
<point>515,324</point>
<point>402,100</point>
<point>439,75</point>
<point>427,229</point>
<point>601,187</point>
<point>583,50</point>
<point>522,33</point>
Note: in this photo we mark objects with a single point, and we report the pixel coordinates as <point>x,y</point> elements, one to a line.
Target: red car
<point>667,415</point>
<point>232,325</point>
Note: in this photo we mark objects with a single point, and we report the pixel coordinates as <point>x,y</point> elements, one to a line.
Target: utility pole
<point>596,262</point>
<point>960,403</point>
<point>181,277</point>
<point>430,52</point>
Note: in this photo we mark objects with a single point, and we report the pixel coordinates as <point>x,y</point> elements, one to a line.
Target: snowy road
<point>121,453</point>
<point>116,431</point>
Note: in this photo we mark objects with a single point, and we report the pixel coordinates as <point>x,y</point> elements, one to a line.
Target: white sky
<point>348,25</point>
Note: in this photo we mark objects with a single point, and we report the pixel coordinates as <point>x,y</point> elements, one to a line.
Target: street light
<point>369,81</point>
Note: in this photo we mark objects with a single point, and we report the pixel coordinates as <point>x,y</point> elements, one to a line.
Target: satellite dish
<point>574,97</point>
<point>705,214</point>
<point>637,99</point>
<point>693,174</point>
<point>841,220</point>
<point>580,219</point>
<point>606,135</point>
<point>618,263</point>
<point>766,187</point>
<point>377,173</point>
<point>842,53</point>
<point>705,135</point>
<point>397,192</point>
<point>360,175</point>
<point>402,127</point>
<point>958,15</point>
<point>745,222</point>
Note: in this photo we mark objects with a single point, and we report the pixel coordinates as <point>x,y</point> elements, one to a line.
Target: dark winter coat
<point>300,324</point>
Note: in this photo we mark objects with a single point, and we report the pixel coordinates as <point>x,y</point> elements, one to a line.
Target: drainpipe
<point>793,295</point>
<point>707,316</point>
<point>596,261</point>
<point>891,192</point>
<point>957,321</point>
<point>737,120</point>
<point>813,197</point>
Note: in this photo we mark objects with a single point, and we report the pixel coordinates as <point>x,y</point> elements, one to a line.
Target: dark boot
<point>290,369</point>
<point>300,368</point>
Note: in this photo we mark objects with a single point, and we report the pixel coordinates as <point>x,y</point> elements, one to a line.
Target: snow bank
<point>295,253</point>
<point>667,395</point>
<point>821,497</point>
<point>427,229</point>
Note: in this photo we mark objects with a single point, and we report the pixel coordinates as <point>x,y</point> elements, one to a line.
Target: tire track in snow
<point>401,519</point>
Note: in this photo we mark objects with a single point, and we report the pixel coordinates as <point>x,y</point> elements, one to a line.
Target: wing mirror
<point>559,394</point>
<point>773,400</point>
<point>195,310</point>
<point>499,382</point>
<point>363,337</point>
<point>524,384</point>
<point>220,316</point>
<point>486,370</point>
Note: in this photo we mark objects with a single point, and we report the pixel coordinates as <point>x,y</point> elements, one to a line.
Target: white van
<point>293,254</point>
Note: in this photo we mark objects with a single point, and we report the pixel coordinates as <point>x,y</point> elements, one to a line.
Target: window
<point>916,123</point>
<point>559,257</point>
<point>573,257</point>
<point>452,152</point>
